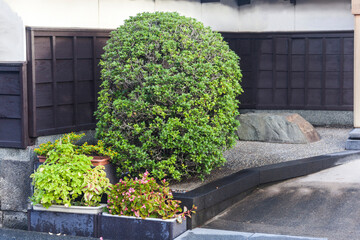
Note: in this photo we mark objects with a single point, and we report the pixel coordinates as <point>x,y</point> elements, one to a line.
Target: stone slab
<point>15,185</point>
<point>16,220</point>
<point>215,234</point>
<point>6,233</point>
<point>209,234</point>
<point>355,133</point>
<point>261,236</point>
<point>352,144</point>
<point>280,128</point>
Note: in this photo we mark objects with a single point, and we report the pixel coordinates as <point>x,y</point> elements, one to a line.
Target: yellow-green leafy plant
<point>65,177</point>
<point>45,148</point>
<point>91,150</point>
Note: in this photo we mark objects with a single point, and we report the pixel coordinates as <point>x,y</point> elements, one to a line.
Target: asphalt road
<point>325,204</point>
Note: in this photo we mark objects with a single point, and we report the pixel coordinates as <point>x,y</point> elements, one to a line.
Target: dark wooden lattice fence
<point>296,70</point>
<point>13,105</point>
<point>64,79</point>
<point>307,70</point>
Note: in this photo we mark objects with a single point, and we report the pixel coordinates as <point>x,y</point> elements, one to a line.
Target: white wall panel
<point>57,13</point>
<point>12,39</point>
<point>317,15</point>
<point>221,16</point>
<point>112,13</point>
<point>189,8</point>
<point>266,16</point>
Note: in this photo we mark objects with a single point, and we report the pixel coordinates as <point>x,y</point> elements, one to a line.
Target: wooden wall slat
<point>13,105</point>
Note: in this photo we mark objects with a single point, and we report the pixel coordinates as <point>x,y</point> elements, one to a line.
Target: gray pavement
<point>324,204</point>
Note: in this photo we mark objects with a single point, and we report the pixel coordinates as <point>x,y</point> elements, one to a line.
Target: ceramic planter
<point>74,220</point>
<point>100,160</point>
<point>41,158</point>
<point>124,227</point>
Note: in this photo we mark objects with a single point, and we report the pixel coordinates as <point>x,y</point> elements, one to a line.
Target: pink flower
<point>146,173</point>
<point>131,199</point>
<point>121,212</point>
<point>143,206</point>
<point>131,190</point>
<point>116,197</point>
<point>164,180</point>
<point>136,213</point>
<point>125,209</point>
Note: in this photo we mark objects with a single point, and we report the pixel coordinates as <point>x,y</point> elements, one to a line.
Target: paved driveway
<point>325,204</point>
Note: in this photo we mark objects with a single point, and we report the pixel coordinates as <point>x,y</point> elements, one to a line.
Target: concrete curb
<point>7,234</point>
<point>216,196</point>
<point>212,234</point>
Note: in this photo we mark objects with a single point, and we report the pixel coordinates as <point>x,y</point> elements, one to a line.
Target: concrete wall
<point>261,15</point>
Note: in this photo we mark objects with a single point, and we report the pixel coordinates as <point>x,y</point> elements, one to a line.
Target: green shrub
<point>168,97</point>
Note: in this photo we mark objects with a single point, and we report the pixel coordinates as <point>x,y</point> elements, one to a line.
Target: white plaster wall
<point>267,16</point>
<point>261,15</point>
<point>12,45</point>
<point>313,15</point>
<point>112,13</point>
<point>57,13</point>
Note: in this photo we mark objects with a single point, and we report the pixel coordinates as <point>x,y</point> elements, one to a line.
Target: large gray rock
<point>281,128</point>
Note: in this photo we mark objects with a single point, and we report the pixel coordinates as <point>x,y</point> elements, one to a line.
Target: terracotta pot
<point>41,158</point>
<point>96,161</point>
<point>100,160</point>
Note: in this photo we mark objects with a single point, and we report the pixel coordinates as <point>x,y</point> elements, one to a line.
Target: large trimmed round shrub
<point>168,98</point>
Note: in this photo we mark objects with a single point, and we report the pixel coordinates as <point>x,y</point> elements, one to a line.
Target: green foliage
<point>91,150</point>
<point>95,150</point>
<point>168,99</point>
<point>143,198</point>
<point>66,176</point>
<point>95,185</point>
<point>45,148</point>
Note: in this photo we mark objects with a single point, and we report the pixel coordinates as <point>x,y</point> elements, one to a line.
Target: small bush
<point>168,97</point>
<point>144,197</point>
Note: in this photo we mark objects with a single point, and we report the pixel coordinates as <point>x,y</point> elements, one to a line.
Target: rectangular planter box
<point>74,220</point>
<point>124,227</point>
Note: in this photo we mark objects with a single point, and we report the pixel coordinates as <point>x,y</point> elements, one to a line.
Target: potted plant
<point>43,150</point>
<point>67,193</point>
<point>100,155</point>
<point>144,206</point>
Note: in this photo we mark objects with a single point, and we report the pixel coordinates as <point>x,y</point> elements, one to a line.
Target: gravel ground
<point>246,154</point>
